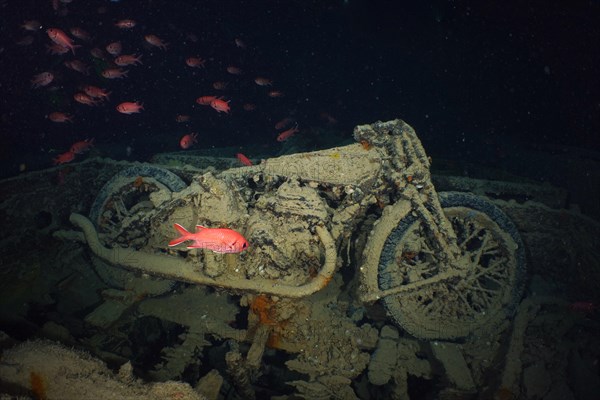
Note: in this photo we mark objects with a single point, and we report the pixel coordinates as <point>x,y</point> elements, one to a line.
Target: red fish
<point>43,79</point>
<point>85,99</point>
<point>77,65</point>
<point>156,41</point>
<point>205,100</point>
<point>220,105</point>
<point>60,117</point>
<point>125,24</point>
<point>56,49</point>
<point>80,34</point>
<point>233,70</point>
<point>180,118</point>
<point>188,140</point>
<point>128,59</point>
<point>195,62</point>
<point>114,48</point>
<point>96,92</point>
<point>220,85</point>
<point>243,159</point>
<point>64,158</point>
<point>97,53</point>
<point>114,73</point>
<point>31,25</point>
<point>219,240</point>
<point>130,107</point>
<point>260,81</point>
<point>60,38</point>
<point>82,146</point>
<point>285,135</point>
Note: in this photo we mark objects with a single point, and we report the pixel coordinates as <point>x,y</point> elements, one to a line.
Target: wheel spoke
<point>483,271</point>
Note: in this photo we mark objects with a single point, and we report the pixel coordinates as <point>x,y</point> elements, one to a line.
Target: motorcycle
<point>445,265</point>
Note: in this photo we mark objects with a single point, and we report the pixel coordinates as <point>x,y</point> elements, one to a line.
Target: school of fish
<point>99,64</point>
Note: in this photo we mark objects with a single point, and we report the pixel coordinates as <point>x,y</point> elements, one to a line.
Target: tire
<point>127,178</point>
<point>123,188</point>
<point>492,255</point>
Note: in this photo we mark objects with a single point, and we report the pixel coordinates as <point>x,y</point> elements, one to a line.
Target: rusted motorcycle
<point>444,264</point>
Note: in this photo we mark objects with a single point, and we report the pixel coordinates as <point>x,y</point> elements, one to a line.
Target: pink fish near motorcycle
<point>219,240</point>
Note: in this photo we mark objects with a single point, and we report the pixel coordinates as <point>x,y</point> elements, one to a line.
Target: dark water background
<point>463,73</point>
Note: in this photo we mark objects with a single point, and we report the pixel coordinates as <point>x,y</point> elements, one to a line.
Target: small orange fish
<point>114,48</point>
<point>97,53</point>
<point>128,59</point>
<point>60,117</point>
<point>130,107</point>
<point>205,100</point>
<point>188,140</point>
<point>82,146</point>
<point>56,49</point>
<point>125,24</point>
<point>31,25</point>
<point>80,34</point>
<point>260,81</point>
<point>243,159</point>
<point>84,99</point>
<point>233,70</point>
<point>285,135</point>
<point>114,73</point>
<point>43,79</point>
<point>219,240</point>
<point>182,118</point>
<point>60,38</point>
<point>195,62</point>
<point>220,105</point>
<point>220,85</point>
<point>77,65</point>
<point>64,158</point>
<point>156,41</point>
<point>96,92</point>
<point>275,94</point>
